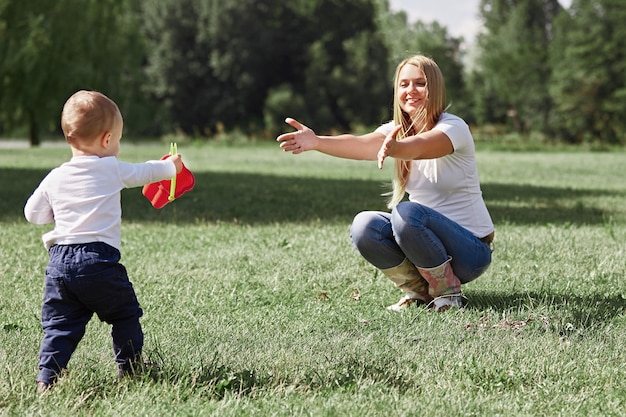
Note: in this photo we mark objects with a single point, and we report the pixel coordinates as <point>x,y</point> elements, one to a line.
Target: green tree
<point>212,62</point>
<point>215,63</point>
<point>50,49</point>
<point>589,80</point>
<point>345,79</point>
<point>513,71</point>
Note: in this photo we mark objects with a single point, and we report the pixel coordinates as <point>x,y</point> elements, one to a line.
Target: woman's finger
<point>295,124</point>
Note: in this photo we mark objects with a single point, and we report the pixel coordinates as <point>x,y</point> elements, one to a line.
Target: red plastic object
<point>159,192</point>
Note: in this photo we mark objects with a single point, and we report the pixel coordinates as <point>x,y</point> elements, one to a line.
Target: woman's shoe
<point>445,302</point>
<point>408,300</point>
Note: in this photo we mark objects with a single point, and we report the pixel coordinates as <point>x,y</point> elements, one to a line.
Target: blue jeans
<point>81,280</point>
<point>423,235</point>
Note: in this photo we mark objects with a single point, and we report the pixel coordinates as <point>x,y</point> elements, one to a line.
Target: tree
<point>215,63</point>
<point>513,67</point>
<point>255,46</point>
<point>212,62</point>
<point>345,79</point>
<point>48,50</point>
<point>589,80</point>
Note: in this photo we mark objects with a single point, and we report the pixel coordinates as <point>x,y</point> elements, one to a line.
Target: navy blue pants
<point>80,280</point>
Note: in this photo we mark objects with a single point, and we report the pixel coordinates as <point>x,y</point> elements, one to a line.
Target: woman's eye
<point>416,84</point>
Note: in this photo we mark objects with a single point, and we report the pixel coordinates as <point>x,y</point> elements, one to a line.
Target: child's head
<point>91,119</point>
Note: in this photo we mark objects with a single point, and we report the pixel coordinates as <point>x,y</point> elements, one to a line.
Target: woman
<point>440,238</point>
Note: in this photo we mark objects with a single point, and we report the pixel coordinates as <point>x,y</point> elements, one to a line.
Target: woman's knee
<point>361,228</point>
<point>369,227</point>
<point>406,215</point>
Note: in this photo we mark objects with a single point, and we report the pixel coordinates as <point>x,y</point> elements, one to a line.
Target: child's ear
<point>105,139</point>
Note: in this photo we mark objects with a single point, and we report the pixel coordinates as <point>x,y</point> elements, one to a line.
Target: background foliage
<point>204,67</point>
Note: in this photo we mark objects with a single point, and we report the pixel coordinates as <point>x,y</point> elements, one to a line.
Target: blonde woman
<point>440,238</point>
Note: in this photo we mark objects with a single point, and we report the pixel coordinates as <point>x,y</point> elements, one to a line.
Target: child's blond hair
<point>87,115</point>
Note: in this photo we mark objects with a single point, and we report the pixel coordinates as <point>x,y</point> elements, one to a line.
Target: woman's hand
<point>388,145</point>
<point>304,139</point>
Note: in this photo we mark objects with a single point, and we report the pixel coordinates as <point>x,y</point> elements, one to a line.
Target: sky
<point>459,16</point>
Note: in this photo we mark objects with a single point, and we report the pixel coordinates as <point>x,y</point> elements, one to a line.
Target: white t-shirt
<point>450,184</point>
<point>82,198</point>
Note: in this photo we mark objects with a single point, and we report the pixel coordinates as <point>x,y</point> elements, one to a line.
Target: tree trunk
<point>33,131</point>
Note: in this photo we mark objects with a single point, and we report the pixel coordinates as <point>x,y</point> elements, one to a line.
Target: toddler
<point>84,274</point>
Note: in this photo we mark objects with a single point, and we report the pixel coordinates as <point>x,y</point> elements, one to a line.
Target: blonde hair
<point>425,120</point>
<point>87,115</point>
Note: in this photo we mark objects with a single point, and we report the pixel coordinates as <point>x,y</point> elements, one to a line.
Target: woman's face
<point>411,89</point>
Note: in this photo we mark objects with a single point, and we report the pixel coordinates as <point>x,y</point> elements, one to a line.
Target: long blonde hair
<point>425,120</point>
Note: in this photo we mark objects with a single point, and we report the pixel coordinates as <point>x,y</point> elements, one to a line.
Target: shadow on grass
<point>574,311</point>
<point>530,204</point>
<point>265,199</point>
<point>218,381</point>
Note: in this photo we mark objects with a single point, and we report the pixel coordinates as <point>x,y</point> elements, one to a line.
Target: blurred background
<point>203,69</point>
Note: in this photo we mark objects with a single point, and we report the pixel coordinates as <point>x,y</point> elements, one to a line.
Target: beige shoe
<point>446,302</point>
<point>408,300</point>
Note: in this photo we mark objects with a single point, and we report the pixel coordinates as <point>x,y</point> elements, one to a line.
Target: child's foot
<point>43,387</point>
<point>137,369</point>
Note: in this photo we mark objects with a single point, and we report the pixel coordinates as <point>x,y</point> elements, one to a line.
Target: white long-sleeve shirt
<point>82,198</point>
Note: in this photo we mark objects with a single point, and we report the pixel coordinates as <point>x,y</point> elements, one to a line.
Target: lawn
<point>256,303</point>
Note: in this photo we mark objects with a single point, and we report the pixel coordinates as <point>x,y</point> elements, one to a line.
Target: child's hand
<point>178,162</point>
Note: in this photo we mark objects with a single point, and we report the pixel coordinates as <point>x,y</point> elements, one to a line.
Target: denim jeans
<point>80,280</point>
<point>423,235</point>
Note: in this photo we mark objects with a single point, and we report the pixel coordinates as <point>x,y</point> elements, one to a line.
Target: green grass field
<point>256,304</point>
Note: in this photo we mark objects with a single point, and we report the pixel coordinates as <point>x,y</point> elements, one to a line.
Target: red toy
<point>162,192</point>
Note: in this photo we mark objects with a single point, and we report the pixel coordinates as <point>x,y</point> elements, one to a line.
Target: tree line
<point>204,67</point>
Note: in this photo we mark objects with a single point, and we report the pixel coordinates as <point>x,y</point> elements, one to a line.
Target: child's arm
<point>37,209</point>
<point>137,175</point>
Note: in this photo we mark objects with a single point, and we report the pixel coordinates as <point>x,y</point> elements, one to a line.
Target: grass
<point>256,303</point>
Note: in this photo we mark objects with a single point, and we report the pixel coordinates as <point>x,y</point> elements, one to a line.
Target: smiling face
<point>412,89</point>
<point>419,94</point>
